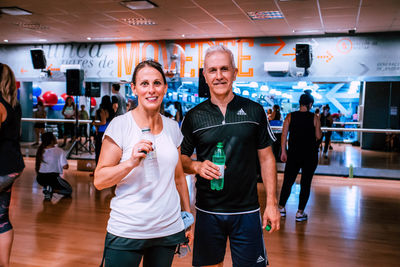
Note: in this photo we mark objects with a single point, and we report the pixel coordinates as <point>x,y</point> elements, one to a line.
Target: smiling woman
<point>139,226</point>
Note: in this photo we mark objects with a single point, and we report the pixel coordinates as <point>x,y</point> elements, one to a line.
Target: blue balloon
<point>59,105</point>
<point>36,91</point>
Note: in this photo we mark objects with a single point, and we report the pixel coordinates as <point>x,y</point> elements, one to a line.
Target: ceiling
<point>102,20</point>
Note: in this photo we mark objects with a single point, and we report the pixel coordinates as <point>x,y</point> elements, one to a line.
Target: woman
<point>11,162</point>
<point>305,130</point>
<point>68,112</point>
<point>145,218</point>
<point>40,113</point>
<point>104,114</point>
<point>50,163</point>
<point>275,120</point>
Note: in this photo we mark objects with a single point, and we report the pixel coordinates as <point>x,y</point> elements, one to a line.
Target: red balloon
<point>92,102</point>
<point>64,96</point>
<point>50,98</point>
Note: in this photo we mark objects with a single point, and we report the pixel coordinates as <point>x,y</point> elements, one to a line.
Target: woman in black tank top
<point>304,130</point>
<point>11,162</point>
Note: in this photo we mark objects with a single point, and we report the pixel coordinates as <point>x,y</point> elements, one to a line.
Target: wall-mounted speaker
<point>303,55</point>
<point>74,82</point>
<point>38,59</point>
<point>92,89</point>
<point>204,90</point>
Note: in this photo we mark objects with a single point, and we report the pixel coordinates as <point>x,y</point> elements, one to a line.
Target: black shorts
<point>128,252</point>
<point>245,236</point>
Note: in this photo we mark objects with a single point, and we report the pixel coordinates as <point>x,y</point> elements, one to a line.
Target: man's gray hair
<point>219,48</point>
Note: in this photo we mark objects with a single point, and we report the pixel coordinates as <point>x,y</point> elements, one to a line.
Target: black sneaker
<point>301,216</point>
<point>48,192</point>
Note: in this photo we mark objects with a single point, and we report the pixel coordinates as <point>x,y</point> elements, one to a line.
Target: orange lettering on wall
<point>200,50</point>
<point>182,56</point>
<point>225,42</point>
<point>123,56</point>
<point>242,57</point>
<point>144,50</point>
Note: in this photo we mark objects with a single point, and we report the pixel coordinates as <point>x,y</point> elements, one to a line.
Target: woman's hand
<point>190,235</point>
<point>139,151</point>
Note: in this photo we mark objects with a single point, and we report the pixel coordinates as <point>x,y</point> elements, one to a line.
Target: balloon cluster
<point>50,99</point>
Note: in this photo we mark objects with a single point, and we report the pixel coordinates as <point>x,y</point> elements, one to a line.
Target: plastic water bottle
<point>150,164</point>
<point>218,159</point>
<point>351,171</point>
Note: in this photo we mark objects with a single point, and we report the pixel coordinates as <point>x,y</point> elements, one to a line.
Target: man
<point>121,100</point>
<point>305,131</point>
<point>233,212</point>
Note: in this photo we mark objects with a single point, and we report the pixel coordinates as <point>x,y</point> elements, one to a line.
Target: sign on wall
<point>335,58</point>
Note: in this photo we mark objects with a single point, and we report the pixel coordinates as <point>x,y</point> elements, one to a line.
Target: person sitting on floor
<point>50,163</point>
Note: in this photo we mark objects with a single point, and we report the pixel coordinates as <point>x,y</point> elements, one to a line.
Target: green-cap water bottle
<point>218,159</point>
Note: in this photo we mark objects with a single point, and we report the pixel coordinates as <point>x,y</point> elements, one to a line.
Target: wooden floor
<point>352,222</point>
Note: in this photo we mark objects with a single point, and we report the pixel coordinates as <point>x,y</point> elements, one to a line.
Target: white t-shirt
<point>141,210</point>
<point>54,160</point>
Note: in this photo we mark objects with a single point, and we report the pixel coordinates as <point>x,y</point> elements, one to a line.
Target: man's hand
<point>272,217</point>
<point>207,170</point>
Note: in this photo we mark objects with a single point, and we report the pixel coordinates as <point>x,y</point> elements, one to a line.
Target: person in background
<point>121,99</point>
<point>39,113</point>
<point>114,102</point>
<point>269,113</point>
<point>317,112</point>
<point>11,161</point>
<point>233,212</point>
<point>326,121</point>
<point>178,114</point>
<point>83,115</point>
<point>50,163</point>
<point>304,130</point>
<point>68,112</point>
<point>104,114</point>
<point>275,119</point>
<point>145,219</point>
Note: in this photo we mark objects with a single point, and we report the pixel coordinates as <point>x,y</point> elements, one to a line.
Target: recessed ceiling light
<point>183,35</point>
<point>138,21</point>
<point>14,11</point>
<point>138,4</point>
<point>6,41</point>
<point>89,38</point>
<point>42,40</point>
<point>264,15</point>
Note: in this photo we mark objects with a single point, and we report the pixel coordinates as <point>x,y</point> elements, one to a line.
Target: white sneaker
<point>282,211</point>
<point>301,216</point>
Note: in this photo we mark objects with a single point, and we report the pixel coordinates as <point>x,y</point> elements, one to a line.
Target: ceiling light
<point>14,11</point>
<point>42,40</point>
<point>183,35</point>
<point>138,4</point>
<point>264,88</point>
<point>138,21</point>
<point>6,41</point>
<point>89,38</point>
<point>264,15</point>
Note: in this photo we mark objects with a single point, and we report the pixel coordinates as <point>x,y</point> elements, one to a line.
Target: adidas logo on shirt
<point>260,259</point>
<point>241,112</point>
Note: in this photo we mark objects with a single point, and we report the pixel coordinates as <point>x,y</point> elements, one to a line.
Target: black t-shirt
<point>10,151</point>
<point>243,131</point>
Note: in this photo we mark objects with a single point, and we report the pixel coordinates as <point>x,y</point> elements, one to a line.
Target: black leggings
<point>292,168</point>
<point>6,183</point>
<point>158,256</point>
<point>98,141</point>
<point>327,140</point>
<point>58,184</point>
